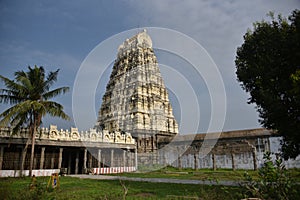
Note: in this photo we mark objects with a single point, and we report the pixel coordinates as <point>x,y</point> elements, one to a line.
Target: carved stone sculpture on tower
<point>136,99</point>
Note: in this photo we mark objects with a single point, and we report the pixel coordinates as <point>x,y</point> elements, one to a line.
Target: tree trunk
<point>23,157</point>
<point>32,150</point>
<point>37,117</point>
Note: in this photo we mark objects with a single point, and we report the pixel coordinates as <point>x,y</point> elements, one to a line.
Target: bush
<point>274,181</point>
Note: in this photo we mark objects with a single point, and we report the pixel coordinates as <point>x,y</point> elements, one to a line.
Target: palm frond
<point>51,78</point>
<point>11,114</point>
<point>10,96</point>
<point>55,92</point>
<point>11,99</point>
<point>19,121</point>
<point>55,110</point>
<point>20,74</point>
<point>12,85</point>
<point>23,79</point>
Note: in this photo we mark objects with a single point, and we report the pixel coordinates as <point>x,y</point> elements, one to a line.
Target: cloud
<point>219,27</point>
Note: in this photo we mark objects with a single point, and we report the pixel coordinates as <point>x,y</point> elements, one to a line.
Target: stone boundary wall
<point>36,172</point>
<point>228,153</point>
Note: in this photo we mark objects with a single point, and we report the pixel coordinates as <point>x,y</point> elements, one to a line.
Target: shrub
<point>274,181</point>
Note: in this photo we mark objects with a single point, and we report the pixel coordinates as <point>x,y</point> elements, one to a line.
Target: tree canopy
<point>268,67</point>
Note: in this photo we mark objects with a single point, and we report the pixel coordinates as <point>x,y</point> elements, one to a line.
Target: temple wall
<point>246,156</point>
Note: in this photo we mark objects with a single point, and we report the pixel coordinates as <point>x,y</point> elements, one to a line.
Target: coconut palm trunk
<point>32,152</point>
<point>24,152</point>
<point>33,132</point>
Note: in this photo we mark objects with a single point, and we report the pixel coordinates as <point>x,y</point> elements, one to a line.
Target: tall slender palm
<point>29,96</point>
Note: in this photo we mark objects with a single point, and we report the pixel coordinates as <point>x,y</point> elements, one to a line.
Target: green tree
<point>268,67</point>
<point>30,94</point>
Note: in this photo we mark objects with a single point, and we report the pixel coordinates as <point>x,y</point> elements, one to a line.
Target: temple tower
<point>136,99</point>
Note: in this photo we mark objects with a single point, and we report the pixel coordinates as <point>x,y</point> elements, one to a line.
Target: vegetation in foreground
<point>272,179</point>
<point>75,188</point>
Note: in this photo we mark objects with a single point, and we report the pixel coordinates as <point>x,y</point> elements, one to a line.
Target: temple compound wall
<point>74,152</point>
<point>241,149</point>
<point>114,152</point>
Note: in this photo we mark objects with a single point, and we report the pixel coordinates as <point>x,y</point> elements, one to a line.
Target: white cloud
<point>218,26</point>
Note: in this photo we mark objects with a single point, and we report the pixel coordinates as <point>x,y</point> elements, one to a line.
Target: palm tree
<point>29,96</point>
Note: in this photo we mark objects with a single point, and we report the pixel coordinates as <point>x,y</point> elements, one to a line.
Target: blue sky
<point>60,34</point>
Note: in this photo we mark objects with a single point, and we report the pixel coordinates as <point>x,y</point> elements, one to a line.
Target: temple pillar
<point>34,166</point>
<point>76,162</point>
<point>153,143</point>
<point>99,158</point>
<point>136,158</point>
<point>1,156</point>
<point>195,161</point>
<point>124,158</point>
<point>60,157</point>
<point>128,157</point>
<point>214,161</point>
<point>90,160</point>
<point>69,164</point>
<point>42,160</point>
<point>103,161</point>
<point>154,161</point>
<point>52,160</point>
<point>111,158</point>
<point>145,143</point>
<point>233,161</point>
<point>84,160</point>
<point>179,162</point>
<point>254,159</point>
<point>23,157</point>
<point>164,158</point>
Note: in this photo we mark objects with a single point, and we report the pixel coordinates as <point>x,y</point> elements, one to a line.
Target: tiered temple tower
<point>136,99</point>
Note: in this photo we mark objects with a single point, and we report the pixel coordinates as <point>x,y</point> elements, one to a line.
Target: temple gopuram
<point>136,99</point>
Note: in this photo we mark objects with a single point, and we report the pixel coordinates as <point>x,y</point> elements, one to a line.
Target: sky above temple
<point>61,34</point>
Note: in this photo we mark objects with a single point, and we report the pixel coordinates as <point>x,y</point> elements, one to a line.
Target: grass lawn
<point>204,174</point>
<point>75,188</point>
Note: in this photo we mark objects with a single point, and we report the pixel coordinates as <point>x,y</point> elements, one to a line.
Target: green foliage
<point>268,67</point>
<point>274,181</point>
